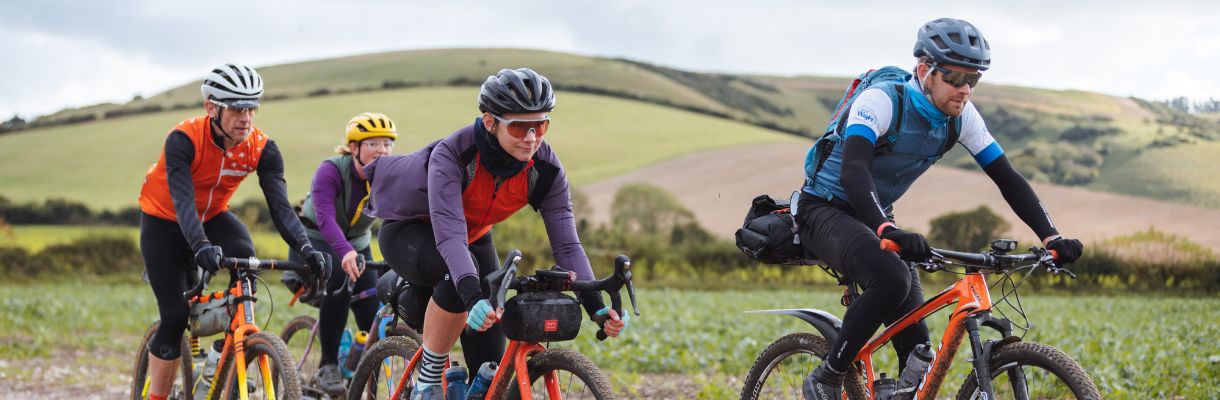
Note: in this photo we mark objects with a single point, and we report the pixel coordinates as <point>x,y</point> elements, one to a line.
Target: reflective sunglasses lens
<point>958,78</point>
<point>519,129</point>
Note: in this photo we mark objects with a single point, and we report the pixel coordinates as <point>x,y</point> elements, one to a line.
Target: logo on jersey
<point>866,113</point>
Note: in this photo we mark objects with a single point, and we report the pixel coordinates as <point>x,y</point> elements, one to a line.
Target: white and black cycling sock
<point>430,369</point>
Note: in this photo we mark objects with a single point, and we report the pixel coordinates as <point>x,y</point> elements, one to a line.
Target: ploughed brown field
<point>718,185</point>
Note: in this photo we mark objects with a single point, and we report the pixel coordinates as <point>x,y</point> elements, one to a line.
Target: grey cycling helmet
<point>953,41</point>
<point>514,91</point>
<point>233,84</point>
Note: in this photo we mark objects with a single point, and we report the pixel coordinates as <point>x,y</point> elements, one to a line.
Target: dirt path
<point>718,186</point>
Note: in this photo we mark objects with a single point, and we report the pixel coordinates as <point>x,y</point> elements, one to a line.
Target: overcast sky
<point>61,54</point>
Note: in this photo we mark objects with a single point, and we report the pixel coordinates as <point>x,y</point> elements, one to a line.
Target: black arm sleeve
<point>1021,197</point>
<point>857,181</point>
<point>275,189</point>
<point>179,153</point>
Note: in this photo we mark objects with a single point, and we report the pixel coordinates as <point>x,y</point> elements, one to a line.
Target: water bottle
<point>345,345</point>
<point>883,388</point>
<point>482,381</point>
<point>354,352</point>
<point>455,376</point>
<point>209,370</point>
<point>917,365</point>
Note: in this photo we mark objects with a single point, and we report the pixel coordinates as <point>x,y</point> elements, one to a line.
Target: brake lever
<point>622,268</point>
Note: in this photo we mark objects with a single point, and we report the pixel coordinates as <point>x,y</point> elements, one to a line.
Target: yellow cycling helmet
<point>370,125</point>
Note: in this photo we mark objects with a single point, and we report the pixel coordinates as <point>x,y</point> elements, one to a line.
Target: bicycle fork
<point>981,354</point>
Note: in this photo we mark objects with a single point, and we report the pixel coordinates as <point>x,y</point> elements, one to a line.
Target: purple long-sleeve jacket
<point>440,181</point>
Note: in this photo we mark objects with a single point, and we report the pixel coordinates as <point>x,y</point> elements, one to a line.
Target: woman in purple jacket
<point>335,224</point>
<point>440,203</point>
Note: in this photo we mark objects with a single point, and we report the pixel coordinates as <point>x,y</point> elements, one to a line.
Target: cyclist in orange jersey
<point>185,220</point>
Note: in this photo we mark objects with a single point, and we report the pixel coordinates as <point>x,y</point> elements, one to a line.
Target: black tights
<point>890,286</point>
<point>410,248</point>
<point>168,259</point>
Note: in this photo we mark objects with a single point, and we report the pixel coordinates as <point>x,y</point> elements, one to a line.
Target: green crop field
<point>597,137</point>
<point>1133,347</point>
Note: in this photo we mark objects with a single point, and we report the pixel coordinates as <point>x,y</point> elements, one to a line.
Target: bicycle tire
<point>570,361</point>
<point>778,352</point>
<point>303,324</point>
<point>364,384</point>
<point>139,373</point>
<point>1024,355</point>
<point>398,329</point>
<point>283,367</point>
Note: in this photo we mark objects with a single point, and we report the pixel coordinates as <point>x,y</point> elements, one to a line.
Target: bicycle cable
<point>1009,294</point>
<point>271,311</point>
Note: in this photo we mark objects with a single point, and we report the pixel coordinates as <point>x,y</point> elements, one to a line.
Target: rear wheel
<point>263,347</point>
<point>140,379</point>
<point>382,368</point>
<point>397,328</point>
<point>575,376</point>
<point>780,370</point>
<point>1027,370</point>
<point>303,345</point>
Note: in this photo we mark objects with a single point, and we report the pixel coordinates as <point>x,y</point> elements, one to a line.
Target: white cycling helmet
<point>235,85</point>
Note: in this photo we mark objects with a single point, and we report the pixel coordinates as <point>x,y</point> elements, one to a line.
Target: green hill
<point>103,162</point>
<point>1068,137</point>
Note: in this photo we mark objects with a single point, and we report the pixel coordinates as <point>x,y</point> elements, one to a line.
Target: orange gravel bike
<point>563,372</point>
<point>246,348</point>
<point>1008,368</point>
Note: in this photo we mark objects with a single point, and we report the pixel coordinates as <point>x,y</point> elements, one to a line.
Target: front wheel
<point>780,370</point>
<point>264,347</point>
<point>575,376</point>
<point>1027,370</point>
<point>140,379</point>
<point>382,368</point>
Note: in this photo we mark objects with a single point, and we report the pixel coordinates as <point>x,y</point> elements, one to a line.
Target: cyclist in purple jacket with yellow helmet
<point>441,202</point>
<point>334,221</point>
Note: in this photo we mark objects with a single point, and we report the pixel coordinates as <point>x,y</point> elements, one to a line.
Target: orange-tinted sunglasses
<point>518,128</point>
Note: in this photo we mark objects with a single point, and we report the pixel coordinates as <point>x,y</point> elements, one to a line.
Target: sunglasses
<point>518,128</point>
<point>958,78</point>
<point>240,110</point>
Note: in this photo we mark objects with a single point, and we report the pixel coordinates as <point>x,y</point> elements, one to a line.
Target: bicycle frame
<point>513,363</point>
<point>242,325</point>
<point>973,301</point>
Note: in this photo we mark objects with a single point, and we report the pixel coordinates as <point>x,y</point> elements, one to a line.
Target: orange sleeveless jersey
<point>216,173</point>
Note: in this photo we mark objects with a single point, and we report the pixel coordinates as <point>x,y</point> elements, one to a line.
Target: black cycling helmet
<point>516,91</point>
<point>953,41</point>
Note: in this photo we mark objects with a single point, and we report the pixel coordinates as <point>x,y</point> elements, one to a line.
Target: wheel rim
<point>571,386</point>
<point>383,381</point>
<point>783,377</point>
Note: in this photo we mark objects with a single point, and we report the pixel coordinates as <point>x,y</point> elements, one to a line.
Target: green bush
<point>967,230</point>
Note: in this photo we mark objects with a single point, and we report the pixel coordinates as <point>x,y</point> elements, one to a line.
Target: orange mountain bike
<point>246,348</point>
<point>1011,368</point>
<point>531,318</point>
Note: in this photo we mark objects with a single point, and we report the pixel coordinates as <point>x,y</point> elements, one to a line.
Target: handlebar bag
<point>541,317</point>
<point>210,318</point>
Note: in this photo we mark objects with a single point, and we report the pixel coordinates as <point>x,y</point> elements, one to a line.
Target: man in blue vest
<point>892,135</point>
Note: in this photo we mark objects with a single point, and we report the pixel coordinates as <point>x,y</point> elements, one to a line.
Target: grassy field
<point>597,137</point>
<point>1133,347</point>
<point>37,237</point>
<point>1192,177</point>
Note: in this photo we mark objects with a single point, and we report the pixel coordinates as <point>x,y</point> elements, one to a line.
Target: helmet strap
<point>923,82</point>
<point>216,124</point>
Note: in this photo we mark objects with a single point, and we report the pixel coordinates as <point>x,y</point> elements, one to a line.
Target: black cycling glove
<point>914,247</point>
<point>1069,250</point>
<point>208,257</point>
<point>317,262</point>
<point>470,291</point>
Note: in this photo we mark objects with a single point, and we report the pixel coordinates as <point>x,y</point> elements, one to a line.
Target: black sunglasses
<point>958,78</point>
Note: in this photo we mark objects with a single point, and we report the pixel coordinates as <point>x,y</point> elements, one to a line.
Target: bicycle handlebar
<point>558,279</point>
<point>245,264</point>
<point>995,259</point>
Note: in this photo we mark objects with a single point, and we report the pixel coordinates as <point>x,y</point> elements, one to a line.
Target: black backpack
<point>768,234</point>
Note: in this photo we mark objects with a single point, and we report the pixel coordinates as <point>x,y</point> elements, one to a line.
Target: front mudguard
<point>825,323</point>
